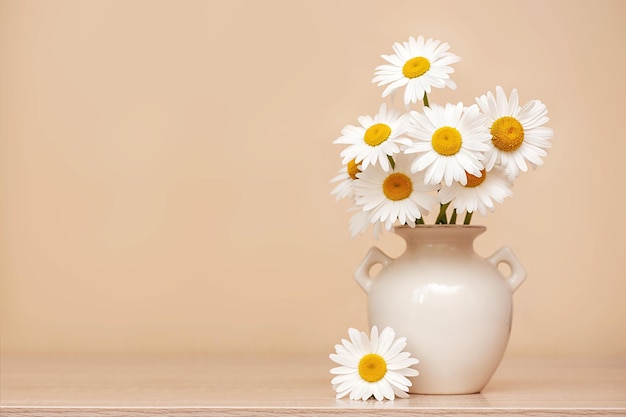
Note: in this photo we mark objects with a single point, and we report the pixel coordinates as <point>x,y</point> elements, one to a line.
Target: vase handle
<point>506,256</point>
<point>373,257</point>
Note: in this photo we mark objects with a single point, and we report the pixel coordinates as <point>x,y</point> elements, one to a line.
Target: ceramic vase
<point>453,306</point>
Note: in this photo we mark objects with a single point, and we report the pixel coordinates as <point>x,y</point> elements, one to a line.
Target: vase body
<point>453,306</point>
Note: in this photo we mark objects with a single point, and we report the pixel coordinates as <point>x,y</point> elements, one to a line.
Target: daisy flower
<point>375,140</point>
<point>518,137</point>
<point>360,221</point>
<point>396,195</point>
<point>449,141</point>
<point>416,65</point>
<point>345,177</point>
<point>478,193</point>
<point>372,366</point>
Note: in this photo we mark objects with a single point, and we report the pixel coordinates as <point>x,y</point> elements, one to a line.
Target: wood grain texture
<point>263,386</point>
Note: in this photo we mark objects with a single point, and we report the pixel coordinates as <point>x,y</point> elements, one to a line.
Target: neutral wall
<point>165,169</point>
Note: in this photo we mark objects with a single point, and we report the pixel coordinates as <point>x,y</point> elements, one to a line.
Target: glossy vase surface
<point>453,306</point>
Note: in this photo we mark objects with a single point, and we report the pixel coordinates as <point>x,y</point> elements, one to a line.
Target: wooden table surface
<point>294,386</point>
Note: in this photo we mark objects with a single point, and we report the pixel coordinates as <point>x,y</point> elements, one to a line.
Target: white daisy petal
<point>397,358</point>
<point>376,391</point>
<point>385,340</point>
<point>360,221</point>
<point>399,393</point>
<point>402,364</point>
<point>395,348</point>
<point>398,380</point>
<point>355,337</point>
<point>386,390</point>
<point>350,347</point>
<point>341,394</point>
<point>358,390</point>
<point>344,360</point>
<point>410,372</point>
<point>340,379</point>
<point>347,384</point>
<point>364,389</point>
<point>340,370</point>
<point>374,339</point>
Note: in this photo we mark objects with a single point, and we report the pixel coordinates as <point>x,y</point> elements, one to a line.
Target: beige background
<point>165,169</point>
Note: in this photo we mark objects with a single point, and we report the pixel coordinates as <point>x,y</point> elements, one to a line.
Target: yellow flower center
<point>446,141</point>
<point>353,169</point>
<point>372,367</point>
<point>397,186</point>
<point>507,134</point>
<point>377,134</point>
<point>473,180</point>
<point>415,67</point>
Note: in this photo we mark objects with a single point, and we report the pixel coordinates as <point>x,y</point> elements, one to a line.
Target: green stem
<point>392,162</point>
<point>426,100</point>
<point>442,218</point>
<point>468,217</point>
<point>453,217</point>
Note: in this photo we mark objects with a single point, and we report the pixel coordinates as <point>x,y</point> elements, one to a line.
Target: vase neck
<point>459,236</point>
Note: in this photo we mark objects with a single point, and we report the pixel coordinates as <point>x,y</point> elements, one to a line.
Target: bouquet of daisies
<point>397,167</point>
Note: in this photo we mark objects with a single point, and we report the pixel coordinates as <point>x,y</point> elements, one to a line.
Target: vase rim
<point>442,226</point>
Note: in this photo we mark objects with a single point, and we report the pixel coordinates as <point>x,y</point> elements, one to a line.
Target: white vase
<point>453,306</point>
